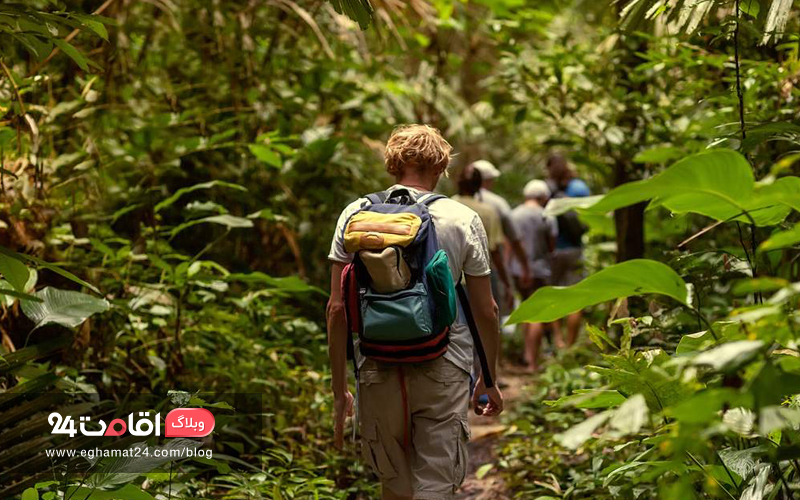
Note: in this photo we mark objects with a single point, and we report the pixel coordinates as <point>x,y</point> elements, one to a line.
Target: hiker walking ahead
<point>469,184</point>
<point>568,256</point>
<point>538,238</point>
<point>396,257</point>
<point>503,294</point>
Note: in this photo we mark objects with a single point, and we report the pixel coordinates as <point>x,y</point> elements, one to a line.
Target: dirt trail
<point>485,433</point>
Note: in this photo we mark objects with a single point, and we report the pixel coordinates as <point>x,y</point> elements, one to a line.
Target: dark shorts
<point>567,266</point>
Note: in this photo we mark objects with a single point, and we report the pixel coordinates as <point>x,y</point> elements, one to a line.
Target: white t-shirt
<point>461,235</point>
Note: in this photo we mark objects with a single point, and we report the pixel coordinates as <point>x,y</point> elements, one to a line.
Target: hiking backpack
<point>400,297</point>
<point>570,228</point>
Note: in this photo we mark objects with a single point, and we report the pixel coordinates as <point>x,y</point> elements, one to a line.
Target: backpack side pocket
<point>443,290</point>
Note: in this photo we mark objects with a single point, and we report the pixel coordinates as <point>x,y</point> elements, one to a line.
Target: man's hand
<point>343,408</point>
<point>495,406</point>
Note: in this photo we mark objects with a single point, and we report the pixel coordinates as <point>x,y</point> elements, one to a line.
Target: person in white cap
<point>489,173</point>
<point>539,234</point>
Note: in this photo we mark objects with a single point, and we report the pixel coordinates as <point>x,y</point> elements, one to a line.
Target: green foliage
<point>172,173</point>
<point>718,184</point>
<point>781,239</point>
<point>63,307</point>
<point>357,10</point>
<point>633,277</point>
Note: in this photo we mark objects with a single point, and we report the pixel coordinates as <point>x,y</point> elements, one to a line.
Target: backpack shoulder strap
<point>476,338</point>
<point>428,198</point>
<point>377,197</point>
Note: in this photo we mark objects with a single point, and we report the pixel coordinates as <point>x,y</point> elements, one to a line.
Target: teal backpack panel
<point>443,290</point>
<point>398,316</point>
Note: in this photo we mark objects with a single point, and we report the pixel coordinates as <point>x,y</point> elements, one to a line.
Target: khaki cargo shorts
<point>430,462</point>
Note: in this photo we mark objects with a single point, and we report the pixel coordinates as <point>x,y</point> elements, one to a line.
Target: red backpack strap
<point>352,309</point>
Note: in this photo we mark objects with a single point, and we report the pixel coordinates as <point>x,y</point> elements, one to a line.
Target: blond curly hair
<point>418,147</point>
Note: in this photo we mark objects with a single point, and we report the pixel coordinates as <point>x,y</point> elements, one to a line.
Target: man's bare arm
<point>337,352</point>
<point>485,311</point>
<point>337,332</point>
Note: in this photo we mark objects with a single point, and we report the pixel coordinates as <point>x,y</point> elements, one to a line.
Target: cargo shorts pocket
<point>374,452</point>
<point>462,439</point>
<point>446,372</point>
<point>370,375</point>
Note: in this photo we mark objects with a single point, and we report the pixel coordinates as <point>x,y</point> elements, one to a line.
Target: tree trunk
<point>628,221</point>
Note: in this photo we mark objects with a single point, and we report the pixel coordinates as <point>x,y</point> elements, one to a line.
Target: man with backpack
<point>568,256</point>
<point>397,256</point>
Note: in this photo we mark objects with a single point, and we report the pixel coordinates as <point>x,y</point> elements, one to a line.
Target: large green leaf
<point>729,356</point>
<point>41,263</point>
<point>63,307</point>
<point>14,271</point>
<point>781,239</point>
<point>633,277</point>
<point>694,342</point>
<point>704,406</point>
<point>720,174</point>
<point>718,183</point>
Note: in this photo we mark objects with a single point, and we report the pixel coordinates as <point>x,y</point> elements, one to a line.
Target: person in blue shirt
<point>567,261</point>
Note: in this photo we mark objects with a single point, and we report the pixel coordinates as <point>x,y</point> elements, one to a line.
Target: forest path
<point>485,433</point>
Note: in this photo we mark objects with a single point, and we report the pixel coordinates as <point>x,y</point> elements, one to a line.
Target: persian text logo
<point>189,422</point>
<point>180,422</point>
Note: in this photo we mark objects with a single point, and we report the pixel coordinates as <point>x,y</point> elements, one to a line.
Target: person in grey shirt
<point>539,234</point>
<point>490,173</point>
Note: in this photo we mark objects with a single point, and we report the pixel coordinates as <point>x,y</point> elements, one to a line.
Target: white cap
<point>536,189</point>
<point>487,170</point>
